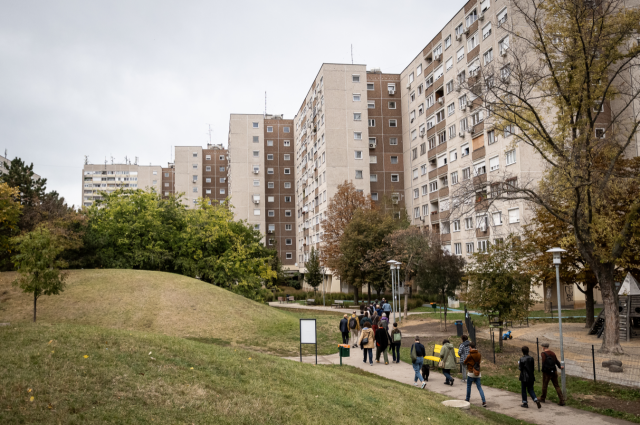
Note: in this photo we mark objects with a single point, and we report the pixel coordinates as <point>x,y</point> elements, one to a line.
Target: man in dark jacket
<point>344,328</point>
<point>527,378</point>
<point>549,372</point>
<point>382,343</point>
<point>417,358</point>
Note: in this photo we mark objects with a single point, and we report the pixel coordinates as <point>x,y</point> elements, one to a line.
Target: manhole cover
<point>458,404</point>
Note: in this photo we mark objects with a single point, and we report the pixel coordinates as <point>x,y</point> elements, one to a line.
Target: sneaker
<point>561,403</point>
<point>415,384</point>
<point>370,364</point>
<point>446,382</point>
<point>377,361</point>
<point>538,404</point>
<point>364,361</point>
<point>525,405</point>
<point>386,362</point>
<point>424,384</point>
<point>484,404</point>
<point>452,382</point>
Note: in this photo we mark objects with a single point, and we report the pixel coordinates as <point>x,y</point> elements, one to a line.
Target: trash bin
<point>459,327</point>
<point>344,350</point>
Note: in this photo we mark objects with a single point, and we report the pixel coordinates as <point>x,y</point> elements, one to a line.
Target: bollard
<point>593,357</point>
<point>538,350</point>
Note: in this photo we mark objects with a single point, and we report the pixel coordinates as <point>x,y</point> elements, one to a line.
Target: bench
<point>291,299</point>
<point>436,350</point>
<point>280,300</point>
<point>337,304</point>
<point>311,301</point>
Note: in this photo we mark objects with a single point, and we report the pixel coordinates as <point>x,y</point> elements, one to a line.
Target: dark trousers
<point>387,313</point>
<point>553,377</point>
<point>395,351</point>
<point>447,375</point>
<point>345,337</point>
<point>370,352</point>
<point>527,387</point>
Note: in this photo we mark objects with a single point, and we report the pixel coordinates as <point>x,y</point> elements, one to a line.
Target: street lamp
<point>322,271</point>
<point>557,260</point>
<point>395,280</point>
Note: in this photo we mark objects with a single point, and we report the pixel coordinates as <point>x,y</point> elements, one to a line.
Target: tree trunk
<point>369,292</point>
<point>406,303</point>
<point>590,305</point>
<point>35,299</point>
<point>355,294</point>
<point>611,336</point>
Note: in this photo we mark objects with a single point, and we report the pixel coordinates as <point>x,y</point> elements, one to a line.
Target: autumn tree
<point>313,274</point>
<point>499,283</point>
<point>564,88</point>
<point>341,209</point>
<point>10,210</point>
<point>21,176</point>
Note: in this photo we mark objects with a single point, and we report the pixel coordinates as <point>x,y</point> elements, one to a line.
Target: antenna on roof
<point>136,162</point>
<point>5,154</point>
<point>265,103</point>
<point>112,158</point>
<point>210,133</point>
<point>86,159</point>
<point>105,162</point>
<point>126,160</point>
<point>352,54</point>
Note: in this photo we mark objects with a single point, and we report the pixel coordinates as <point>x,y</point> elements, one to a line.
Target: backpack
<point>352,323</point>
<point>397,337</point>
<point>549,364</point>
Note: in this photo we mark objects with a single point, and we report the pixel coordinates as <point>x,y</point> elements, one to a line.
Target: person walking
<point>367,342</point>
<point>344,328</point>
<point>448,357</point>
<point>384,323</point>
<point>471,365</point>
<point>550,373</point>
<point>354,330</point>
<point>417,359</point>
<point>396,342</point>
<point>463,351</point>
<point>527,378</point>
<point>376,323</point>
<point>382,343</point>
<point>386,308</point>
<point>365,320</point>
<point>379,310</point>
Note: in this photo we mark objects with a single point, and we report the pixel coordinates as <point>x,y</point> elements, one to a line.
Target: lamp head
<point>557,255</point>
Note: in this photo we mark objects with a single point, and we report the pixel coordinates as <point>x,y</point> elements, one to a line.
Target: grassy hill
<point>86,374</point>
<point>169,304</point>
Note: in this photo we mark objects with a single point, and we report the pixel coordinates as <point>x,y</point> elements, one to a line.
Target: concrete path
<point>499,401</point>
<point>321,308</point>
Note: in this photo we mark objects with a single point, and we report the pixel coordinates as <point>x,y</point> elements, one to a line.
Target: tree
<point>409,246</point>
<point>10,210</point>
<point>314,274</point>
<point>341,209</point>
<point>21,176</point>
<point>440,273</point>
<point>38,264</point>
<point>499,284</point>
<point>566,90</point>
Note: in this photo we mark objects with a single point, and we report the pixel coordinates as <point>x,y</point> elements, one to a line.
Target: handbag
<point>442,362</point>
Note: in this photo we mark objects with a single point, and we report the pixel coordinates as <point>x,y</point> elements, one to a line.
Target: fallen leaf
<point>32,398</point>
<point>29,390</point>
<point>249,358</point>
<point>191,368</point>
<point>85,356</point>
<point>50,406</point>
<point>50,342</point>
<point>152,358</point>
<point>149,352</point>
<point>52,352</point>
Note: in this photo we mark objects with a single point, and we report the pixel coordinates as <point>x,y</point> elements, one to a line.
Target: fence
<point>471,329</point>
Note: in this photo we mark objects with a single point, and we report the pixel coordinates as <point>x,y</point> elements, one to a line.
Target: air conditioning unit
<point>441,100</point>
<point>412,119</point>
<point>256,199</point>
<point>408,86</point>
<point>256,170</point>
<point>466,31</point>
<point>469,104</point>
<point>395,201</point>
<point>392,91</point>
<point>437,57</point>
<point>470,130</point>
<point>481,17</point>
<point>503,53</point>
<point>422,133</point>
<point>270,231</point>
<point>458,37</point>
<point>458,87</point>
<point>461,134</point>
<point>372,145</point>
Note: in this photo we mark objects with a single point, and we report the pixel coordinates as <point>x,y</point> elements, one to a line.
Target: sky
<point>134,78</point>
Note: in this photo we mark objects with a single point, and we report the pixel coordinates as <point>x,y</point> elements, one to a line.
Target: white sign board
<point>307,331</point>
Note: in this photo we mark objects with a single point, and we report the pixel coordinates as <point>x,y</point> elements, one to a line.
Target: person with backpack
<point>527,378</point>
<point>549,373</point>
<point>367,342</point>
<point>463,352</point>
<point>396,342</point>
<point>472,365</point>
<point>448,361</point>
<point>354,329</point>
<point>344,328</point>
<point>382,343</point>
<point>417,359</point>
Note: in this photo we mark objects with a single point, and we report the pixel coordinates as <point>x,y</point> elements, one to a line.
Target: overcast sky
<point>133,78</point>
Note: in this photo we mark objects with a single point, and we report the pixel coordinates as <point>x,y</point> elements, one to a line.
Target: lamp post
<point>395,286</point>
<point>322,271</point>
<point>392,264</point>
<point>557,261</point>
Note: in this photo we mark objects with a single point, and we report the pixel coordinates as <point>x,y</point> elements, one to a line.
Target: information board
<point>308,335</point>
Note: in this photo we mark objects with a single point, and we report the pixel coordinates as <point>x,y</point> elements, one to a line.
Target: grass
<point>74,374</point>
<point>167,304</point>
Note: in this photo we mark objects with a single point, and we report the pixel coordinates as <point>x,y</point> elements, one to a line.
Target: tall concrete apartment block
<point>261,179</point>
<point>195,172</point>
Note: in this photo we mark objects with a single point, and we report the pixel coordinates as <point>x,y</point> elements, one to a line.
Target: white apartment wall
<point>145,177</point>
<point>185,161</point>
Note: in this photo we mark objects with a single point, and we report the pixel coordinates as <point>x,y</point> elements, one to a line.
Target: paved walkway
<point>499,401</point>
<point>322,308</point>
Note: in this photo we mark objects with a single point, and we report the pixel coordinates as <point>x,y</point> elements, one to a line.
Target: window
<point>165,185</point>
<point>421,109</point>
<point>286,129</point>
<point>256,212</point>
<point>453,155</point>
<point>392,105</point>
<point>419,70</point>
<point>393,123</point>
<point>505,71</point>
<point>511,157</point>
<point>423,169</point>
<point>287,143</point>
<point>269,129</point>
<point>223,179</point>
<point>358,174</point>
<point>270,199</point>
<point>416,193</point>
<point>287,199</point>
<point>447,42</point>
<point>442,137</point>
<point>425,190</point>
<point>373,177</point>
<point>269,142</point>
<point>270,185</point>
<point>371,104</point>
<point>451,108</point>
<point>256,139</point>
<point>430,101</point>
<point>452,131</point>
<point>207,168</point>
<point>357,135</point>
<point>497,218</point>
<point>482,246</point>
<point>373,159</point>
<point>491,137</point>
<point>449,86</point>
<point>255,125</point>
<point>416,212</point>
<point>600,133</point>
<point>395,178</point>
<point>271,213</point>
<point>494,163</point>
<point>414,136</point>
<point>287,170</point>
<point>393,141</point>
<point>484,5</point>
<point>195,166</point>
<point>469,248</point>
<point>486,31</point>
<point>287,227</point>
<point>466,173</point>
<point>288,241</point>
<point>438,50</point>
<point>256,154</point>
<point>357,116</point>
<point>394,159</point>
<point>487,57</point>
<point>287,157</point>
<point>208,180</point>
<point>514,215</point>
<point>477,117</point>
<point>479,168</point>
<point>287,213</point>
<point>468,223</point>
<point>412,97</point>
<point>449,64</point>
<point>207,157</point>
<point>440,115</point>
<point>454,177</point>
<point>457,248</point>
<point>287,185</point>
<point>438,73</point>
<point>433,186</point>
<point>502,17</point>
<point>370,86</point>
<point>269,157</point>
<point>372,122</point>
<point>269,170</point>
<point>472,42</point>
<point>471,18</point>
<point>222,168</point>
<point>356,97</point>
<point>256,182</point>
<point>503,45</point>
<point>374,196</point>
<point>432,143</point>
<point>460,54</point>
<point>428,81</point>
<point>423,148</point>
<point>372,141</point>
<point>415,173</point>
<point>460,29</point>
<point>442,160</point>
<point>411,78</point>
<point>425,210</point>
<point>358,154</point>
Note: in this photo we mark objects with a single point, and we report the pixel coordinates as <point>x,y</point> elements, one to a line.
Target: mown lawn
<point>75,374</point>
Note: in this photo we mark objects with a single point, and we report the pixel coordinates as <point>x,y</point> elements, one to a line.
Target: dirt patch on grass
<point>609,403</point>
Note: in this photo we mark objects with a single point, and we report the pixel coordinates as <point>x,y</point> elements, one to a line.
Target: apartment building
<point>449,138</point>
<point>4,166</point>
<point>195,172</point>
<point>261,179</point>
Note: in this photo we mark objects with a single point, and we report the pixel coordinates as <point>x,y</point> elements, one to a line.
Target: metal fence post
<point>493,346</point>
<point>538,350</point>
<point>551,308</point>
<point>593,357</point>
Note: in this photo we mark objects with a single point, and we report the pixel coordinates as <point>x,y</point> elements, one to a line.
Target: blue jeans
<point>470,380</point>
<point>370,351</point>
<point>395,351</point>
<point>417,368</point>
<point>447,375</point>
<point>527,387</point>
